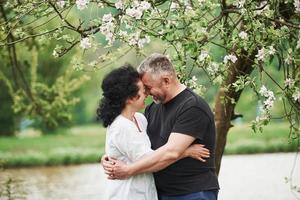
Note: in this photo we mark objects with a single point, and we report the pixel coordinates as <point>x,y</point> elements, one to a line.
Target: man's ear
<point>166,80</point>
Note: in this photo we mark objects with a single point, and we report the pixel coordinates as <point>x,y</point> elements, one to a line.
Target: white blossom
<point>82,4</point>
<point>203,56</point>
<point>261,118</point>
<point>107,28</point>
<point>61,4</point>
<point>120,5</point>
<point>85,43</point>
<point>231,58</point>
<point>123,34</point>
<point>174,6</point>
<point>261,54</point>
<point>240,3</point>
<point>298,44</point>
<point>213,69</point>
<point>288,59</point>
<point>263,91</point>
<point>136,11</point>
<point>269,95</point>
<point>297,5</point>
<point>143,41</point>
<point>201,1</point>
<point>107,18</point>
<point>271,51</point>
<point>268,103</point>
<point>55,54</point>
<point>262,8</point>
<point>289,82</point>
<point>296,96</point>
<point>243,35</point>
<point>194,78</point>
<point>144,5</point>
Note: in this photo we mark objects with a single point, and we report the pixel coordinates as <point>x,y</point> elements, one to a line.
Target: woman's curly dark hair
<point>119,85</point>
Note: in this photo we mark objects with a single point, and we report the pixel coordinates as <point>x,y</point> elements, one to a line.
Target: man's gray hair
<point>156,64</point>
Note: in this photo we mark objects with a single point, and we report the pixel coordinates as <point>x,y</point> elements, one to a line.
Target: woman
<point>126,140</point>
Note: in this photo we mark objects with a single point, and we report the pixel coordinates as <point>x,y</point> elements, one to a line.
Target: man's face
<point>154,88</point>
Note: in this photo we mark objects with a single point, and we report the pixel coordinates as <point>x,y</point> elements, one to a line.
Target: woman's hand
<point>120,170</point>
<point>198,152</point>
<point>114,168</point>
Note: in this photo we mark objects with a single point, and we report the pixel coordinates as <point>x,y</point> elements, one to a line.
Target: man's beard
<point>157,99</point>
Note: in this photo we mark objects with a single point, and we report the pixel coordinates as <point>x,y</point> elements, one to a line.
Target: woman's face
<point>139,100</point>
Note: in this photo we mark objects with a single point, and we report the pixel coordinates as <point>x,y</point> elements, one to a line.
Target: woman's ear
<point>131,99</point>
<point>128,101</point>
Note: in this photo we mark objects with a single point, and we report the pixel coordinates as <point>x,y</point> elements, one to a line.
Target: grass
<point>85,144</point>
<point>69,146</point>
<point>242,140</point>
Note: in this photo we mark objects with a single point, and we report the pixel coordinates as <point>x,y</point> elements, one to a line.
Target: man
<point>177,119</point>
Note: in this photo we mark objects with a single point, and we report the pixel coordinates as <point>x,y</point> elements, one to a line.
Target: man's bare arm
<point>159,159</point>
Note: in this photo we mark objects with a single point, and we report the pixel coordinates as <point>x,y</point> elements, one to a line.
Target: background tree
<point>36,86</point>
<point>237,44</point>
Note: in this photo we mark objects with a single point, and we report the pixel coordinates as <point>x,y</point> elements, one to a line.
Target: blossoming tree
<point>253,36</point>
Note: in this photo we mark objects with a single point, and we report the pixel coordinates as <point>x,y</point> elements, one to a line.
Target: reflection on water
<point>259,177</point>
<point>61,183</point>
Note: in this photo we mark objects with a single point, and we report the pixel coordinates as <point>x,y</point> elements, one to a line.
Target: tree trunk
<point>224,109</point>
<point>7,116</point>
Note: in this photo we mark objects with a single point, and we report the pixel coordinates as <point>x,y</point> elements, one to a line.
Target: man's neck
<point>177,89</point>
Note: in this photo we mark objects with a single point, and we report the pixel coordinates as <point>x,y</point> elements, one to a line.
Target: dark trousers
<point>204,195</point>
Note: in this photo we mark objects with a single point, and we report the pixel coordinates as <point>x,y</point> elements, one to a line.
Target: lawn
<point>68,146</point>
<point>275,138</point>
<point>85,144</point>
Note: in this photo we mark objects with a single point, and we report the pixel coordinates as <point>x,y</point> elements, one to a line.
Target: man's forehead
<point>147,78</point>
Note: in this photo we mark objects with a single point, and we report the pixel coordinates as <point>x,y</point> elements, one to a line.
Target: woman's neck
<point>128,113</point>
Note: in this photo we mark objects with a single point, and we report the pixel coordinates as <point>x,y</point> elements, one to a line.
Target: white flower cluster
<point>174,6</point>
<point>85,43</point>
<point>297,5</point>
<point>230,57</point>
<point>57,50</point>
<point>203,56</point>
<point>262,53</point>
<point>136,11</point>
<point>120,5</point>
<point>296,96</point>
<point>192,83</point>
<point>263,117</point>
<point>240,3</point>
<point>298,44</point>
<point>213,69</point>
<point>82,4</point>
<point>135,39</point>
<point>243,35</point>
<point>269,95</point>
<point>107,28</point>
<point>61,4</point>
<point>263,8</point>
<point>289,82</point>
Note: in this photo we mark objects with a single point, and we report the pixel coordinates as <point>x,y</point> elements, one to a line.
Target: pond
<point>247,177</point>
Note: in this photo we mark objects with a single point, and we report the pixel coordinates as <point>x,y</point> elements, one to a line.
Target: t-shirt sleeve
<point>192,121</point>
<point>131,143</point>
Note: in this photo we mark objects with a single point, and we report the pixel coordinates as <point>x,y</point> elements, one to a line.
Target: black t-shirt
<point>189,114</point>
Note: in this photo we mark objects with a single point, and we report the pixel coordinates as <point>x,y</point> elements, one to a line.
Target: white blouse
<point>126,143</point>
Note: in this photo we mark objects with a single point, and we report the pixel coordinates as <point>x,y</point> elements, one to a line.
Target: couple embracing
<point>167,153</point>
